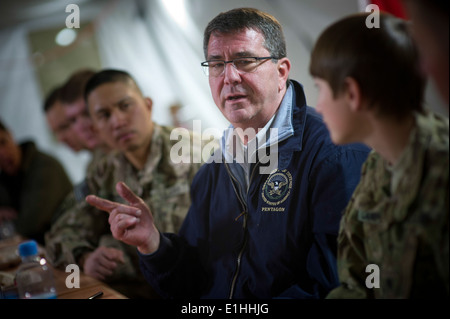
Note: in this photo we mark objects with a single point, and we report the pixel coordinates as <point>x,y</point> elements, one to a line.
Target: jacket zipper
<point>245,213</point>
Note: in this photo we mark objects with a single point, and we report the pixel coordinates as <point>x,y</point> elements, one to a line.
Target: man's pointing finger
<point>100,203</point>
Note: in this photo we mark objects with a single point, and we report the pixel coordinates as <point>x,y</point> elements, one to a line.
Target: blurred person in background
<point>72,98</point>
<point>59,123</point>
<point>70,108</point>
<point>430,30</point>
<point>32,185</point>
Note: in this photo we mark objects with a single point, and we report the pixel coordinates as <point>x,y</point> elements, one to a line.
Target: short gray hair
<point>249,18</point>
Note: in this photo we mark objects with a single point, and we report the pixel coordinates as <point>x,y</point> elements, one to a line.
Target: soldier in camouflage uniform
<point>75,112</point>
<point>397,219</point>
<point>394,234</point>
<point>82,230</point>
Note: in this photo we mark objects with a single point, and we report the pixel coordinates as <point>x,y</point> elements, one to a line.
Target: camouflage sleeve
<point>351,254</point>
<point>169,197</point>
<point>77,229</point>
<point>351,258</point>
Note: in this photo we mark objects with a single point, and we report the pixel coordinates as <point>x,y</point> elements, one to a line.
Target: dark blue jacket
<point>277,242</point>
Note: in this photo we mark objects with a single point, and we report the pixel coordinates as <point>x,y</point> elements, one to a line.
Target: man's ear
<point>353,94</point>
<point>284,67</point>
<point>149,103</point>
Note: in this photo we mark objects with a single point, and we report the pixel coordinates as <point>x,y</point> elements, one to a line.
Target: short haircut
<point>249,18</point>
<point>384,61</point>
<point>52,97</point>
<point>73,89</point>
<point>109,76</point>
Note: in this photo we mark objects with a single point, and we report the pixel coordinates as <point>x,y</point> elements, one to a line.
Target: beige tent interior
<point>158,41</point>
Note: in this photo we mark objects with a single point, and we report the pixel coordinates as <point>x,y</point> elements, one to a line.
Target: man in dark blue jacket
<point>265,212</point>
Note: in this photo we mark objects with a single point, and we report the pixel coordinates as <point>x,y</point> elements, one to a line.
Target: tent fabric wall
<point>162,48</point>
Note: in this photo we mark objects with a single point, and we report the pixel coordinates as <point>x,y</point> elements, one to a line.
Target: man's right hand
<point>133,224</point>
<point>102,262</point>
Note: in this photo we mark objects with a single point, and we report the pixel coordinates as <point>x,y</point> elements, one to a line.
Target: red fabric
<point>394,7</point>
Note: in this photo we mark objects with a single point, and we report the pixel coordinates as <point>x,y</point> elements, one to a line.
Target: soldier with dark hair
<point>141,158</point>
<point>371,91</point>
<point>32,186</point>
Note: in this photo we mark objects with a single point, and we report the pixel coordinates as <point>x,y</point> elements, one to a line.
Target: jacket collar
<point>298,120</point>
<point>289,120</point>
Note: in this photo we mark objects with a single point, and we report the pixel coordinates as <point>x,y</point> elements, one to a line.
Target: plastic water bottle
<point>34,278</point>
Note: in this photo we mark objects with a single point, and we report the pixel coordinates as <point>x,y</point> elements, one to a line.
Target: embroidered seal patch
<point>277,188</point>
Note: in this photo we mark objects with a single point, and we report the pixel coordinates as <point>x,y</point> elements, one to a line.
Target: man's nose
<point>231,74</point>
<point>118,119</point>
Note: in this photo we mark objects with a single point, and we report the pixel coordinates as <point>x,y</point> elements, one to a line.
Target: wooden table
<point>88,285</point>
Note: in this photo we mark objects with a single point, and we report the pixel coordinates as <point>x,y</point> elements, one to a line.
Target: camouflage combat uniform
<point>162,184</point>
<point>398,220</point>
<point>81,189</point>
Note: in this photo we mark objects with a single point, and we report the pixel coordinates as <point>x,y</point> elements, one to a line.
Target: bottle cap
<point>28,248</point>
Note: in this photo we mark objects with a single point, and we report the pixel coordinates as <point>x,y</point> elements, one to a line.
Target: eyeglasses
<point>216,68</point>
